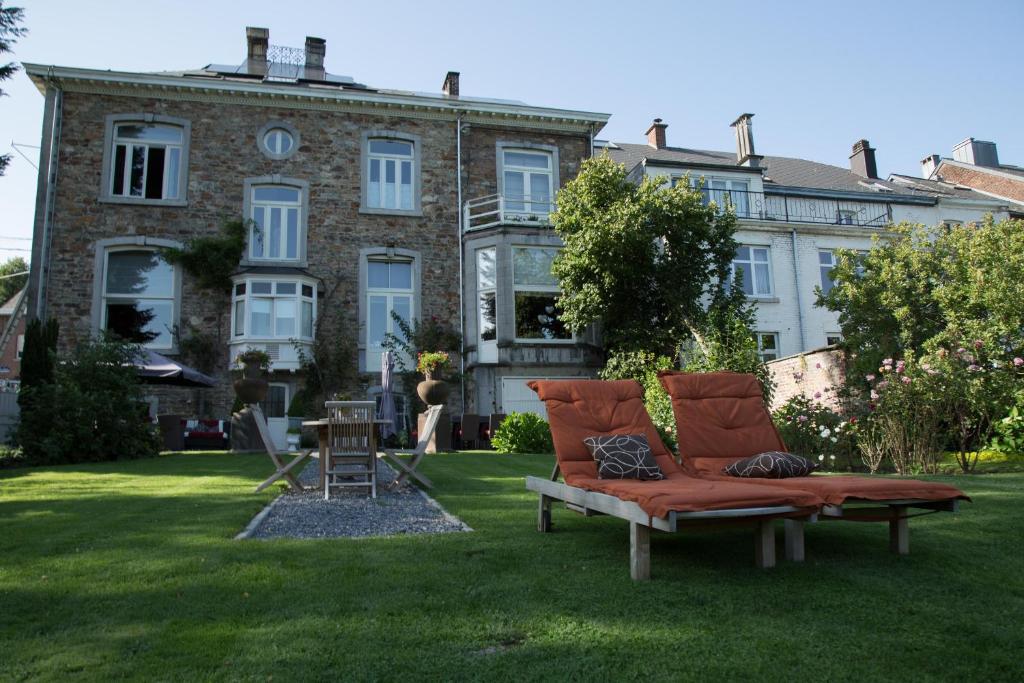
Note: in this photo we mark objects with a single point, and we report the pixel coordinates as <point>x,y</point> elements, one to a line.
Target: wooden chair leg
<point>795,539</point>
<point>544,514</point>
<point>764,544</point>
<point>899,531</point>
<point>639,552</point>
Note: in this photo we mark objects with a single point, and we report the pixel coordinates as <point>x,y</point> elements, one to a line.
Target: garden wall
<point>816,374</point>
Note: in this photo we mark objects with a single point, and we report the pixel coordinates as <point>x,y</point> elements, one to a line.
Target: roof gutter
<point>882,197</point>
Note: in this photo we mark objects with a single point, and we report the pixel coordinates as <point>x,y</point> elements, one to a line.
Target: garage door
<point>516,397</point>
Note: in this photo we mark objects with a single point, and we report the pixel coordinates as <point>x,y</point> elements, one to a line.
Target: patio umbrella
<point>387,399</point>
<point>152,368</point>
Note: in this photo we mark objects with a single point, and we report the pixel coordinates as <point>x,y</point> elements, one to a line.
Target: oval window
<point>278,141</point>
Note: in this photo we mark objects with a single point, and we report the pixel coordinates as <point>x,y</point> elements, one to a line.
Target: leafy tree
<point>643,259</point>
<point>12,285</point>
<point>10,31</point>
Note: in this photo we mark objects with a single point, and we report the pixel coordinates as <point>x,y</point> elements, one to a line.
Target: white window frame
<point>111,142</point>
<point>761,351</point>
<point>543,289</point>
<point>374,351</point>
<point>399,160</point>
<point>246,298</point>
<point>271,126</point>
<point>749,271</point>
<point>723,196</point>
<point>838,336</point>
<point>249,205</point>
<point>487,350</point>
<point>416,180</point>
<point>173,298</point>
<point>267,206</point>
<point>527,204</point>
<point>824,269</point>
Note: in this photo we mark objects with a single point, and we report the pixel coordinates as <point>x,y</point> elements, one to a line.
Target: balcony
<point>791,209</point>
<point>283,353</point>
<point>497,209</point>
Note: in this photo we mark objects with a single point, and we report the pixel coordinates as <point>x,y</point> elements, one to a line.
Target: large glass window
<point>536,295</point>
<point>390,182</point>
<point>486,292</point>
<point>389,289</point>
<point>147,161</point>
<point>754,263</point>
<point>275,231</point>
<point>826,262</point>
<point>273,309</point>
<point>527,181</point>
<point>138,297</point>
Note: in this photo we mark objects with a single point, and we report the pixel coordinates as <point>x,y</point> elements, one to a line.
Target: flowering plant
<point>429,362</point>
<point>814,431</point>
<point>256,356</point>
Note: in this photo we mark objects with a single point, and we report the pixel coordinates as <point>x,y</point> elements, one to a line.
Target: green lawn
<point>129,570</point>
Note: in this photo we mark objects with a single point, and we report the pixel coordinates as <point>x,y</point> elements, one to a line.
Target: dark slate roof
<point>787,171</point>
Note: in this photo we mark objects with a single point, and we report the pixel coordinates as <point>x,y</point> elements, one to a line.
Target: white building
<point>792,214</point>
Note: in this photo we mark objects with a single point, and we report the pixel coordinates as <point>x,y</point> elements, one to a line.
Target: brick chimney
<point>316,50</point>
<point>928,165</point>
<point>257,40</point>
<point>656,134</point>
<point>862,161</point>
<point>745,155</point>
<point>451,84</point>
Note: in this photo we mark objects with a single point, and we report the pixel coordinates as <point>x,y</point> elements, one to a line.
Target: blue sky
<point>914,78</point>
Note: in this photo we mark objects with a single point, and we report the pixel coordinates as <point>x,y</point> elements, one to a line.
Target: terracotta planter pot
<point>253,386</point>
<point>433,392</point>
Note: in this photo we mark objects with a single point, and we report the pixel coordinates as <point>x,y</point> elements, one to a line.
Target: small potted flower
<point>252,387</point>
<point>433,390</point>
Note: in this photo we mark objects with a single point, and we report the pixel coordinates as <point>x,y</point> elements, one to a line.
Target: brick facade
<point>816,372</point>
<point>983,181</point>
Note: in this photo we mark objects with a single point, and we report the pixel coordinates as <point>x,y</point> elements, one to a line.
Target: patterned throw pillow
<point>771,465</point>
<point>623,456</point>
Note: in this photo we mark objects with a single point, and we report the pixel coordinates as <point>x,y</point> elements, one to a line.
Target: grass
<point>129,570</point>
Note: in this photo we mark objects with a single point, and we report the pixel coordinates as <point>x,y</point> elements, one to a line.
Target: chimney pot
<point>316,50</point>
<point>745,155</point>
<point>256,40</point>
<point>656,134</point>
<point>450,86</point>
<point>929,164</point>
<point>862,161</point>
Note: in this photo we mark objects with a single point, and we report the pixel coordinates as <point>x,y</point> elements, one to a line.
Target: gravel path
<point>351,512</point>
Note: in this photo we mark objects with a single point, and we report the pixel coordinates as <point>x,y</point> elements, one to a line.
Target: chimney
<point>656,134</point>
<point>316,50</point>
<point>256,40</point>
<point>451,84</point>
<point>745,155</point>
<point>862,161</point>
<point>928,165</point>
<point>977,153</point>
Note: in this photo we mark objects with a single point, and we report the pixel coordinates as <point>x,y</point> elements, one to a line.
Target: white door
<point>516,397</point>
<point>275,407</point>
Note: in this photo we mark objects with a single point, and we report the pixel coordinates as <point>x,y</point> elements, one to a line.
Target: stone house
<point>792,215</point>
<point>352,196</point>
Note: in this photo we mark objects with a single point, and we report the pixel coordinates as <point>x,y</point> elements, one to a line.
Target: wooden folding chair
<point>283,470</point>
<point>351,447</point>
<point>409,470</point>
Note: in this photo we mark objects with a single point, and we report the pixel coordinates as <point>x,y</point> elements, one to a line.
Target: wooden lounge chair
<point>721,418</point>
<point>581,408</point>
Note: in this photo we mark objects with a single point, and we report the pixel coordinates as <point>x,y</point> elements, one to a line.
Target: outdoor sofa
<point>721,418</point>
<point>578,409</point>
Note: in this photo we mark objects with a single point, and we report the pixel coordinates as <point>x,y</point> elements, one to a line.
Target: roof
<point>11,304</point>
<point>1015,172</point>
<point>786,172</point>
<point>221,81</point>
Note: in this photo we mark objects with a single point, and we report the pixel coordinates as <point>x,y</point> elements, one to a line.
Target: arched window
<point>277,209</point>
<point>146,159</point>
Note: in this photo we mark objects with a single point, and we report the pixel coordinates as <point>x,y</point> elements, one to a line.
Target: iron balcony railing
<point>498,209</point>
<point>791,209</point>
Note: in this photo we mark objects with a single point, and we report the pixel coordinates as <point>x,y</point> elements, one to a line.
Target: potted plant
<point>433,390</point>
<point>294,436</point>
<point>252,386</point>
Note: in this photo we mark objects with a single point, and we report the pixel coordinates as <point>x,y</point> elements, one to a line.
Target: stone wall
<point>816,375</point>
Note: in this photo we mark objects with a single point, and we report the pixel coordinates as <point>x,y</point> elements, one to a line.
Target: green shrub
<point>1009,430</point>
<point>523,433</point>
<point>91,411</point>
<point>643,366</point>
<point>815,432</point>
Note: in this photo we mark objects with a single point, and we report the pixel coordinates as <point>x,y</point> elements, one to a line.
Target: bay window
<point>527,181</point>
<point>138,297</point>
<point>536,294</point>
<point>273,309</point>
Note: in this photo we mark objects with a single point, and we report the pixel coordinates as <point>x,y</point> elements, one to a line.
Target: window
<point>138,298</point>
<point>390,167</point>
<point>767,346</point>
<point>389,289</point>
<point>486,291</point>
<point>273,309</point>
<point>527,178</point>
<point>826,262</point>
<point>147,161</point>
<point>278,142</point>
<point>726,193</point>
<point>536,295</point>
<point>755,266</point>
<point>833,339</point>
<point>276,230</point>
